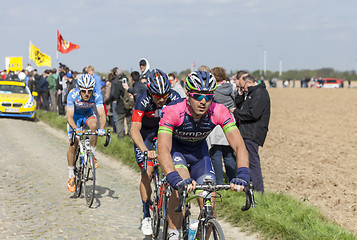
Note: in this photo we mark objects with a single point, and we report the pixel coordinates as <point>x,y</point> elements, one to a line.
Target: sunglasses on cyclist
<point>199,97</point>
<point>159,96</point>
<point>87,91</point>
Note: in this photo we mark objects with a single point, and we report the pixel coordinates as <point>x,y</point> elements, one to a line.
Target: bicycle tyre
<point>155,218</point>
<point>214,228</point>
<point>165,219</point>
<point>156,208</point>
<point>186,223</point>
<point>78,174</point>
<point>89,179</point>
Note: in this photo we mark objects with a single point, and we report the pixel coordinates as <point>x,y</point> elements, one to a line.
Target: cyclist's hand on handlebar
<point>152,154</point>
<point>176,180</point>
<point>101,132</point>
<point>192,186</point>
<point>79,131</point>
<point>236,187</point>
<point>243,177</point>
<point>188,182</point>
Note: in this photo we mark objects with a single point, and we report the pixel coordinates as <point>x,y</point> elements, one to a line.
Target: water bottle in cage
<point>192,229</point>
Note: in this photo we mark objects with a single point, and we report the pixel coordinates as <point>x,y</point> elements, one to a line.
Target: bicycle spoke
<point>89,179</point>
<point>78,173</point>
<point>213,230</point>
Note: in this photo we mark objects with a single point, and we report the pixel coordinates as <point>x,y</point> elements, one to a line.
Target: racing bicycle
<point>159,202</point>
<point>84,168</point>
<point>208,227</point>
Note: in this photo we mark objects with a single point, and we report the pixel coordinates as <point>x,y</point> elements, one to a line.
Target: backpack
<point>128,101</point>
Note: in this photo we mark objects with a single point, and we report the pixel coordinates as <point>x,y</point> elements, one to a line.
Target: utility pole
<point>260,59</point>
<point>265,62</point>
<point>280,67</point>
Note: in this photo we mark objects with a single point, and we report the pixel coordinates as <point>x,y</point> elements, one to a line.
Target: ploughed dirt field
<point>311,149</point>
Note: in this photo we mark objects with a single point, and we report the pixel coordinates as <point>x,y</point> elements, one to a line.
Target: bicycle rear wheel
<point>78,175</point>
<point>89,179</point>
<point>213,230</point>
<point>165,228</point>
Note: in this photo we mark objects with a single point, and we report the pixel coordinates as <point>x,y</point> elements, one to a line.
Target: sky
<point>174,34</point>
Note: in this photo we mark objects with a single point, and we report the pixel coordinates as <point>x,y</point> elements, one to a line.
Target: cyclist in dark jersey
<point>184,127</point>
<point>145,124</point>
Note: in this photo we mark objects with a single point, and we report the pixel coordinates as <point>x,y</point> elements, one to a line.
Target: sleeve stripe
<point>164,129</point>
<point>229,127</point>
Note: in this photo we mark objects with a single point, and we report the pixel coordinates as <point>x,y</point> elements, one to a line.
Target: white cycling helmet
<point>86,81</point>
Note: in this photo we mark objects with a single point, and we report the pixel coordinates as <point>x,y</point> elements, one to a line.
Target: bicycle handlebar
<point>249,195</point>
<point>88,133</point>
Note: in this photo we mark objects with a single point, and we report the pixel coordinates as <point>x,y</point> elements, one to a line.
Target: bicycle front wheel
<point>186,223</point>
<point>89,179</point>
<point>156,208</point>
<point>165,219</point>
<point>212,230</point>
<point>155,219</point>
<point>78,175</point>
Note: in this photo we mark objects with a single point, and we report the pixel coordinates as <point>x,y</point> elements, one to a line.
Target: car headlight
<point>29,103</point>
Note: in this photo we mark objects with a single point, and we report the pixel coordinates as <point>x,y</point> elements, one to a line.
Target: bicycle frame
<point>86,170</point>
<point>162,191</point>
<point>206,212</point>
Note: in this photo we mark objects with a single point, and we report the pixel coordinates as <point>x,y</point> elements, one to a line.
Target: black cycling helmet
<point>201,81</point>
<point>158,82</point>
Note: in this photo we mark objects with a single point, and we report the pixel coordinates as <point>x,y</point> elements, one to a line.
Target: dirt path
<point>35,202</point>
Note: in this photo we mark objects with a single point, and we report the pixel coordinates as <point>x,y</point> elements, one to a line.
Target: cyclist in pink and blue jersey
<point>182,149</point>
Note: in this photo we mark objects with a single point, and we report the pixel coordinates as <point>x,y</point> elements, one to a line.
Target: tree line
<point>292,74</point>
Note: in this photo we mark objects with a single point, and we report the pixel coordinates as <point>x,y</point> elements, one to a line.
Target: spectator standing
<point>31,82</point>
<point>27,77</point>
<point>44,90</point>
<point>220,147</point>
<point>117,93</point>
<point>59,88</point>
<point>111,76</point>
<point>144,68</point>
<point>70,84</point>
<point>52,78</point>
<point>261,79</point>
<point>253,119</point>
<point>138,86</point>
<point>97,88</point>
<point>37,88</point>
<point>176,86</point>
<point>106,95</point>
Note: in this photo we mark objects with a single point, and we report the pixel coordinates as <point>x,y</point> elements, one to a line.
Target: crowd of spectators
<point>120,91</point>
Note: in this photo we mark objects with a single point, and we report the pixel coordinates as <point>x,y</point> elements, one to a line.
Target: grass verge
<point>276,216</point>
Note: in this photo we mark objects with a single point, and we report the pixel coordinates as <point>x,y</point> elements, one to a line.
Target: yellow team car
<point>16,100</point>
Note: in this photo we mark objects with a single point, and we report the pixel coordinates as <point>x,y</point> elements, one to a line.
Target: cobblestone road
<point>35,202</point>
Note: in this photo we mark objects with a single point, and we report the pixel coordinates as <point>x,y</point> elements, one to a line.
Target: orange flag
<point>64,46</point>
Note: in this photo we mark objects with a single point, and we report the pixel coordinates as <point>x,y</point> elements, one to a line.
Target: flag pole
<point>30,51</point>
<point>57,48</point>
